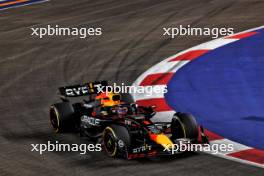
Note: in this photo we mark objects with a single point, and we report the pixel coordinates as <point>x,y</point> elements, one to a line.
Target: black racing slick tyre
<point>184,125</point>
<point>116,139</point>
<point>62,117</point>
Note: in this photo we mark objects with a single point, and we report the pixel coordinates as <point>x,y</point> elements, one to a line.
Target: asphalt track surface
<point>31,70</point>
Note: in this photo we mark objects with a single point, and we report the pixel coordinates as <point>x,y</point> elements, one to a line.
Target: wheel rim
<point>54,119</point>
<point>109,143</point>
<point>179,131</point>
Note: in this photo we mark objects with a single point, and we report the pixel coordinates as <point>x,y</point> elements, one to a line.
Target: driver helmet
<point>109,99</point>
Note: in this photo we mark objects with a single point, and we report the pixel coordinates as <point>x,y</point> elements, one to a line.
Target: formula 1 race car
<point>124,129</point>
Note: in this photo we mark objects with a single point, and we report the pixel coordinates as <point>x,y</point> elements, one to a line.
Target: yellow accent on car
<point>163,140</point>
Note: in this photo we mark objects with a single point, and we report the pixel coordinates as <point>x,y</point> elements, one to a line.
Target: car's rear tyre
<point>184,125</point>
<point>116,139</point>
<point>62,117</point>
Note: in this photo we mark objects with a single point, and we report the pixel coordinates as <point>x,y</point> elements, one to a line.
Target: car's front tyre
<point>116,139</point>
<point>184,125</point>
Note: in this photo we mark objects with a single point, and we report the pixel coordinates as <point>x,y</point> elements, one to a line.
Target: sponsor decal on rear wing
<point>82,90</point>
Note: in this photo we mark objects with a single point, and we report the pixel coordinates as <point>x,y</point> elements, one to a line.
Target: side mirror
<point>134,107</point>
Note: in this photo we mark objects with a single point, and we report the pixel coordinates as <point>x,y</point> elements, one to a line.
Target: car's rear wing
<point>83,89</point>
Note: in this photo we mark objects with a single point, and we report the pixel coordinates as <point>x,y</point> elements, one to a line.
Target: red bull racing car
<point>124,129</point>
